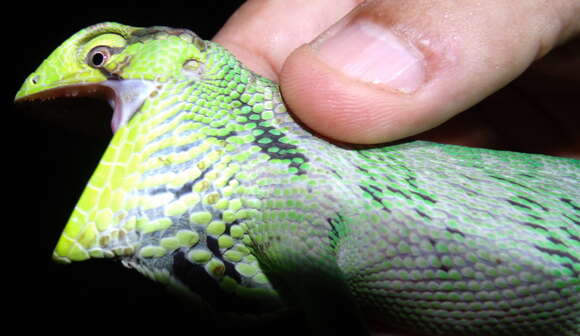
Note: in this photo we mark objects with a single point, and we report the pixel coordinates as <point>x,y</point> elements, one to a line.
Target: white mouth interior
<point>128,97</point>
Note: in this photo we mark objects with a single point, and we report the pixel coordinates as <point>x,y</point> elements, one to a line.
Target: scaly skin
<point>210,186</point>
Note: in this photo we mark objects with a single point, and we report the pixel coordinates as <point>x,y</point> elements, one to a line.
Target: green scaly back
<point>210,186</point>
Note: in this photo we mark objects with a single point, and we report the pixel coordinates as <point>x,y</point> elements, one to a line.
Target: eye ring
<point>98,56</point>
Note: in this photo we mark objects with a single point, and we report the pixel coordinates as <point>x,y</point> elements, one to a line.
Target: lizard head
<point>169,196</point>
<point>124,65</point>
<point>117,62</point>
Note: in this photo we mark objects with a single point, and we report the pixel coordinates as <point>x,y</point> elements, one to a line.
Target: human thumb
<point>392,69</point>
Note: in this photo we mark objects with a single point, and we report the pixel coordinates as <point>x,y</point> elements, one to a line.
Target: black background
<point>51,150</point>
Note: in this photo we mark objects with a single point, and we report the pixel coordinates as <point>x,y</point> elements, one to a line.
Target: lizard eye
<point>98,56</point>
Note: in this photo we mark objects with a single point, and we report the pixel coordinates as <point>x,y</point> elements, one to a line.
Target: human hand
<point>393,69</point>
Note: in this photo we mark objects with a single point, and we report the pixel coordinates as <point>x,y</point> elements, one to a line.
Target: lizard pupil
<point>98,59</point>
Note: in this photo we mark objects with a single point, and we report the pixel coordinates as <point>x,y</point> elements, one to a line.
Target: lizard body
<point>210,186</point>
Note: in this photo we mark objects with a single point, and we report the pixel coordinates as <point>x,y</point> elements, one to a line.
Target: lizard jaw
<point>124,96</point>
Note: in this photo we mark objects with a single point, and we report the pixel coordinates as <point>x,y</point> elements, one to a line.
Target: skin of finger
<point>471,49</point>
<point>262,33</point>
<point>339,108</point>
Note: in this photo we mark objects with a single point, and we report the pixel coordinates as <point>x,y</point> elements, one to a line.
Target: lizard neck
<point>170,195</point>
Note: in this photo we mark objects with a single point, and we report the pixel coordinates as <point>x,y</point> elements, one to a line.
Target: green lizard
<point>210,186</point>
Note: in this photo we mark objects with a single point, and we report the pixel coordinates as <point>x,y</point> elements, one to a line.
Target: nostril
<point>34,79</point>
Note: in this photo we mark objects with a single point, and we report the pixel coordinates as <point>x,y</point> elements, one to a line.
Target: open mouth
<point>124,96</point>
<point>83,109</point>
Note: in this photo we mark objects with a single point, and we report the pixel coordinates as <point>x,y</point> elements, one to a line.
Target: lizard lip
<point>124,96</point>
<point>70,91</point>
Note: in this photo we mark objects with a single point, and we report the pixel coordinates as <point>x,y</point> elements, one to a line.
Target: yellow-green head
<point>170,190</point>
<point>113,51</point>
<point>73,62</point>
<point>129,66</point>
<point>116,61</point>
